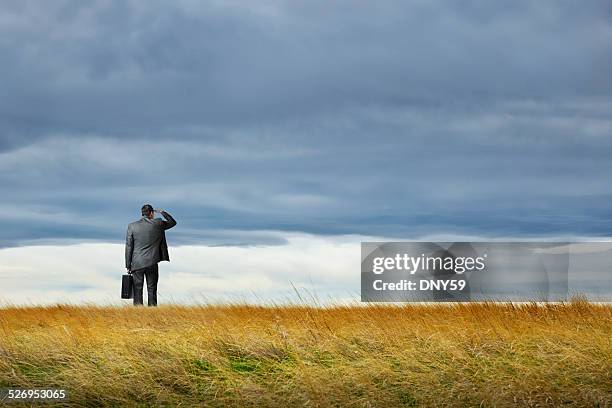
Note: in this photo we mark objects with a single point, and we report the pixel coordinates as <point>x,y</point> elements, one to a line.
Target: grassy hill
<point>487,354</point>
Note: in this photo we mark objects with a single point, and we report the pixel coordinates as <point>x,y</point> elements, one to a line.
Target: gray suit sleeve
<point>170,222</point>
<point>129,247</point>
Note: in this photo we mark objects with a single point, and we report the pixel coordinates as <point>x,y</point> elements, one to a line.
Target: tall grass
<point>486,354</point>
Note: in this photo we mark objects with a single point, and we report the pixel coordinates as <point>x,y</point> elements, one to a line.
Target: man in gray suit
<point>145,246</point>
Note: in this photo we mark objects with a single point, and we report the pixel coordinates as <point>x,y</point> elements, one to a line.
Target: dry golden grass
<point>459,355</point>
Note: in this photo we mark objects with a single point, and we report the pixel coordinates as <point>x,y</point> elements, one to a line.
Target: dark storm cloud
<point>389,118</point>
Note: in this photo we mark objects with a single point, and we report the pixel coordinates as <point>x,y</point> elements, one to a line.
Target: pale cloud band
<point>308,268</point>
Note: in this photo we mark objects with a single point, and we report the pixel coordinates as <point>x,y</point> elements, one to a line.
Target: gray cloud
<point>395,119</point>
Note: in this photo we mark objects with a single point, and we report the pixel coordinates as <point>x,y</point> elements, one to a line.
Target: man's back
<point>146,241</point>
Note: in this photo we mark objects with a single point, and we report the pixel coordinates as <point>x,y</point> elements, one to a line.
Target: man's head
<point>147,211</point>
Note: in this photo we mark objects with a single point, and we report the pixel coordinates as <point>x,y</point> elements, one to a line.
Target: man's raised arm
<point>170,222</point>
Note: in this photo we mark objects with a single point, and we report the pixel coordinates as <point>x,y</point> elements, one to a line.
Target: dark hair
<point>146,209</point>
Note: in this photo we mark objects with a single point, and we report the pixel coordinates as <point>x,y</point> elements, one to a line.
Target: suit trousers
<point>152,275</point>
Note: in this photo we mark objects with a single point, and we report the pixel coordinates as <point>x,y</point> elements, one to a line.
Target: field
<point>487,354</point>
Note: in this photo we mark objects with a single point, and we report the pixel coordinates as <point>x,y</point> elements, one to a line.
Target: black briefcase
<point>127,287</point>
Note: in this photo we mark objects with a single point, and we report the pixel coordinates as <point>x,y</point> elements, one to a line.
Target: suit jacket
<point>145,241</point>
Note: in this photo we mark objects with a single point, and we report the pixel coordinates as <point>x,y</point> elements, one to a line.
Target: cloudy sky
<point>276,131</point>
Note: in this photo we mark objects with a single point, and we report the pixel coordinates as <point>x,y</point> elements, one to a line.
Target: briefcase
<point>127,287</point>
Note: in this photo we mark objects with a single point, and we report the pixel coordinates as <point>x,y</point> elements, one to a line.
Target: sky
<point>264,125</point>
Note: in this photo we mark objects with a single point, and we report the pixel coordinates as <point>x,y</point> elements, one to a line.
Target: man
<point>145,246</point>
